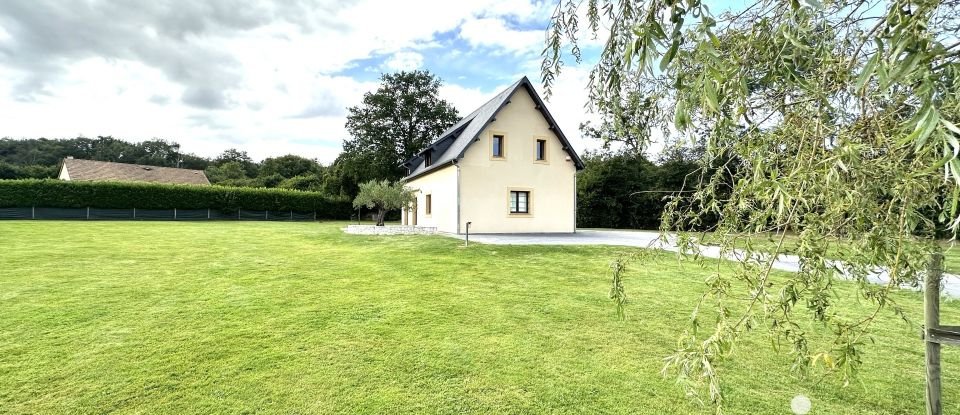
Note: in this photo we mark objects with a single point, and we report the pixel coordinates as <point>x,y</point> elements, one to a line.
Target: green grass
<point>253,317</point>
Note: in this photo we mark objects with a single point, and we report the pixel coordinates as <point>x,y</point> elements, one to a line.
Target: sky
<point>270,78</point>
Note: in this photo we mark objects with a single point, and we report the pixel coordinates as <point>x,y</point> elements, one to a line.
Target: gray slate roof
<point>90,170</point>
<point>452,143</point>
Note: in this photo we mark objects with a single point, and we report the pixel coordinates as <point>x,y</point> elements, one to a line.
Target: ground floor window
<point>428,206</point>
<point>519,201</point>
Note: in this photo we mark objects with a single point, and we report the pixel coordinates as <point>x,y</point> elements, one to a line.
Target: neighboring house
<point>92,170</point>
<point>505,168</point>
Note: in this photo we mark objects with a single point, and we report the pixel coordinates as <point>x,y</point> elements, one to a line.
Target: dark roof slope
<point>89,170</point>
<point>453,142</point>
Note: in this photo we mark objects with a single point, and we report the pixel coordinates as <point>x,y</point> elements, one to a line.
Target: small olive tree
<point>384,196</point>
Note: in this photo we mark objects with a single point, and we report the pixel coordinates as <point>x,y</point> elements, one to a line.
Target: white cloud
<point>273,71</point>
<point>493,32</point>
<point>465,99</point>
<point>4,35</point>
<point>404,61</point>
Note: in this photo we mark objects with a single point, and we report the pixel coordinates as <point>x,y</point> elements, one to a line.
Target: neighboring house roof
<point>88,170</point>
<point>452,143</point>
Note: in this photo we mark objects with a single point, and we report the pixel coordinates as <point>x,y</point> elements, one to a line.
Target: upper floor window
<point>497,150</point>
<point>427,158</point>
<point>541,150</point>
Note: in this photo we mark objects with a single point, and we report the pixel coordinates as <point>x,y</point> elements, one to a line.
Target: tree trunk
<point>381,212</point>
<point>931,305</point>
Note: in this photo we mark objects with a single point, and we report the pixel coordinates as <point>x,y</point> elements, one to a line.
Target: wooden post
<point>931,321</point>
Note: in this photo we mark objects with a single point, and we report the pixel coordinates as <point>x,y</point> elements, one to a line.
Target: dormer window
<point>427,158</point>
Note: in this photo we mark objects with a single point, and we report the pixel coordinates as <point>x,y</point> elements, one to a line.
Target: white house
<point>505,168</point>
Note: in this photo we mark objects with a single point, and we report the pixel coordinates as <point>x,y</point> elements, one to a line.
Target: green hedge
<point>126,195</point>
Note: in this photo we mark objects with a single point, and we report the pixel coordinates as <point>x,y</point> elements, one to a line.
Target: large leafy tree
<point>250,167</point>
<point>392,124</point>
<point>627,121</point>
<point>289,166</point>
<point>836,120</point>
<point>229,172</point>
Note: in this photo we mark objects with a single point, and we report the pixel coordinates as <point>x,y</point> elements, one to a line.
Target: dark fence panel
<point>253,215</point>
<point>280,216</point>
<point>192,214</point>
<point>107,214</point>
<point>60,213</point>
<point>224,215</point>
<point>153,214</point>
<point>304,216</point>
<point>16,213</point>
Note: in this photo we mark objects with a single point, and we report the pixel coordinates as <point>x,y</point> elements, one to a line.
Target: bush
<point>126,195</point>
<point>311,182</point>
<point>32,171</point>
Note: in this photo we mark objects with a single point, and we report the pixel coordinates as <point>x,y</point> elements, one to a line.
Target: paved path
<point>648,239</point>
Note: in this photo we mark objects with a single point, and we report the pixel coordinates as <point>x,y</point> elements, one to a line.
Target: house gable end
<point>469,129</point>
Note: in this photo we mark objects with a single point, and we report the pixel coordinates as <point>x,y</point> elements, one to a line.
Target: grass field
<point>252,317</point>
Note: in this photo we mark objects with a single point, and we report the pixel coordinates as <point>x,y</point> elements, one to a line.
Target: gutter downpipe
<point>455,163</point>
<point>575,174</point>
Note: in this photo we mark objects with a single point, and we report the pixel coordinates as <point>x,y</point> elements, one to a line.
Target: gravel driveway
<point>648,239</point>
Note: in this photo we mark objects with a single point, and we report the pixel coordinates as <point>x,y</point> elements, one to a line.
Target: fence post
<point>88,212</point>
<point>266,215</point>
<point>134,213</point>
<point>208,213</point>
<point>238,214</point>
<point>174,213</point>
<point>291,215</point>
<point>33,212</point>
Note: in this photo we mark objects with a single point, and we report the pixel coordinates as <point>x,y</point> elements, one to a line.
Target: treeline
<point>626,190</point>
<point>40,158</point>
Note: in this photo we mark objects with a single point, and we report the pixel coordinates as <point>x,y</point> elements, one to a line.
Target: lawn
<point>256,317</point>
